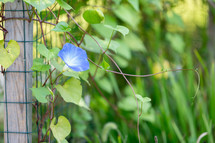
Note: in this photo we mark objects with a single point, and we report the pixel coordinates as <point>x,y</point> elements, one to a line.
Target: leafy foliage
<point>41,94</point>
<point>63,4</point>
<point>9,54</point>
<point>49,54</point>
<point>71,91</point>
<point>62,27</point>
<point>4,1</point>
<point>123,30</point>
<point>142,37</point>
<point>93,16</point>
<point>40,4</point>
<point>61,130</point>
<point>38,65</point>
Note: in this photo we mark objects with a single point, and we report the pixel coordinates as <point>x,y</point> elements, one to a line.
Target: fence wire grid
<point>37,82</point>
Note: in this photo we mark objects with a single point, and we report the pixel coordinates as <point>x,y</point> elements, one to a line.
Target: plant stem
<point>101,55</point>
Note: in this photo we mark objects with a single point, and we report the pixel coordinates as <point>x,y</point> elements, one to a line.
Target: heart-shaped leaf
<point>40,4</point>
<point>49,54</point>
<point>143,99</point>
<point>105,65</point>
<point>61,27</point>
<point>38,65</point>
<point>135,4</point>
<point>40,94</point>
<point>122,29</point>
<point>64,5</point>
<point>61,130</point>
<point>93,16</point>
<point>8,55</point>
<point>71,91</point>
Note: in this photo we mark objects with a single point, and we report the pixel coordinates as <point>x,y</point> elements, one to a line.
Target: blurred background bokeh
<point>164,35</point>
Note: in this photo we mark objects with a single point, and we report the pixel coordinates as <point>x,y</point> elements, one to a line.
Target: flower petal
<point>74,57</point>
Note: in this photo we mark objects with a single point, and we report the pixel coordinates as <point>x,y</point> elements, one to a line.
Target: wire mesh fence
<point>16,101</point>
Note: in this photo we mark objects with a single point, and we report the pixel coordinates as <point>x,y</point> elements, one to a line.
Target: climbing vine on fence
<point>71,62</point>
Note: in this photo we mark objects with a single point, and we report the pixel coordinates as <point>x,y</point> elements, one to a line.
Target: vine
<point>74,64</point>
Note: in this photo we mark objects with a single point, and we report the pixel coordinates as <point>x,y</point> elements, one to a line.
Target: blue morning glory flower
<point>74,57</point>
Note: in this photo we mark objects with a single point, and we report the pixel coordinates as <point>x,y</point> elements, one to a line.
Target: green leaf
<point>117,1</point>
<point>69,73</point>
<point>128,104</point>
<point>176,42</point>
<point>9,54</point>
<point>49,54</point>
<point>92,46</point>
<point>143,99</point>
<point>134,42</point>
<point>61,27</point>
<point>105,84</point>
<point>84,75</point>
<point>40,4</point>
<point>38,65</point>
<point>64,141</point>
<point>71,91</point>
<point>64,5</point>
<point>122,29</point>
<point>4,1</point>
<point>135,4</point>
<point>107,128</point>
<point>175,19</point>
<point>104,31</point>
<point>61,130</point>
<point>127,14</point>
<point>40,94</point>
<point>156,3</point>
<point>93,16</point>
<point>123,50</point>
<point>105,65</point>
<point>83,104</point>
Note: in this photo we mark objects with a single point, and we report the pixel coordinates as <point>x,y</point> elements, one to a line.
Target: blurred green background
<point>164,35</point>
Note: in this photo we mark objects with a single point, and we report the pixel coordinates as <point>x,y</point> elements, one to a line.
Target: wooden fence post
<point>18,98</point>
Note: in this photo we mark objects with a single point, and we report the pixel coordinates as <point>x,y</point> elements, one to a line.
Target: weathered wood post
<point>18,79</point>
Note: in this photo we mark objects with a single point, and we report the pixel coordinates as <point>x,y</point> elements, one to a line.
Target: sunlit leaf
<point>176,42</point>
<point>84,75</point>
<point>105,84</point>
<point>128,104</point>
<point>135,4</point>
<point>134,42</point>
<point>107,128</point>
<point>4,1</point>
<point>64,5</point>
<point>117,1</point>
<point>104,31</point>
<point>49,54</point>
<point>9,54</point>
<point>127,14</point>
<point>40,4</point>
<point>62,27</point>
<point>71,91</point>
<point>105,65</point>
<point>93,16</point>
<point>69,72</point>
<point>60,130</point>
<point>143,99</point>
<point>38,65</point>
<point>40,94</point>
<point>91,45</point>
<point>83,104</point>
<point>122,29</point>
